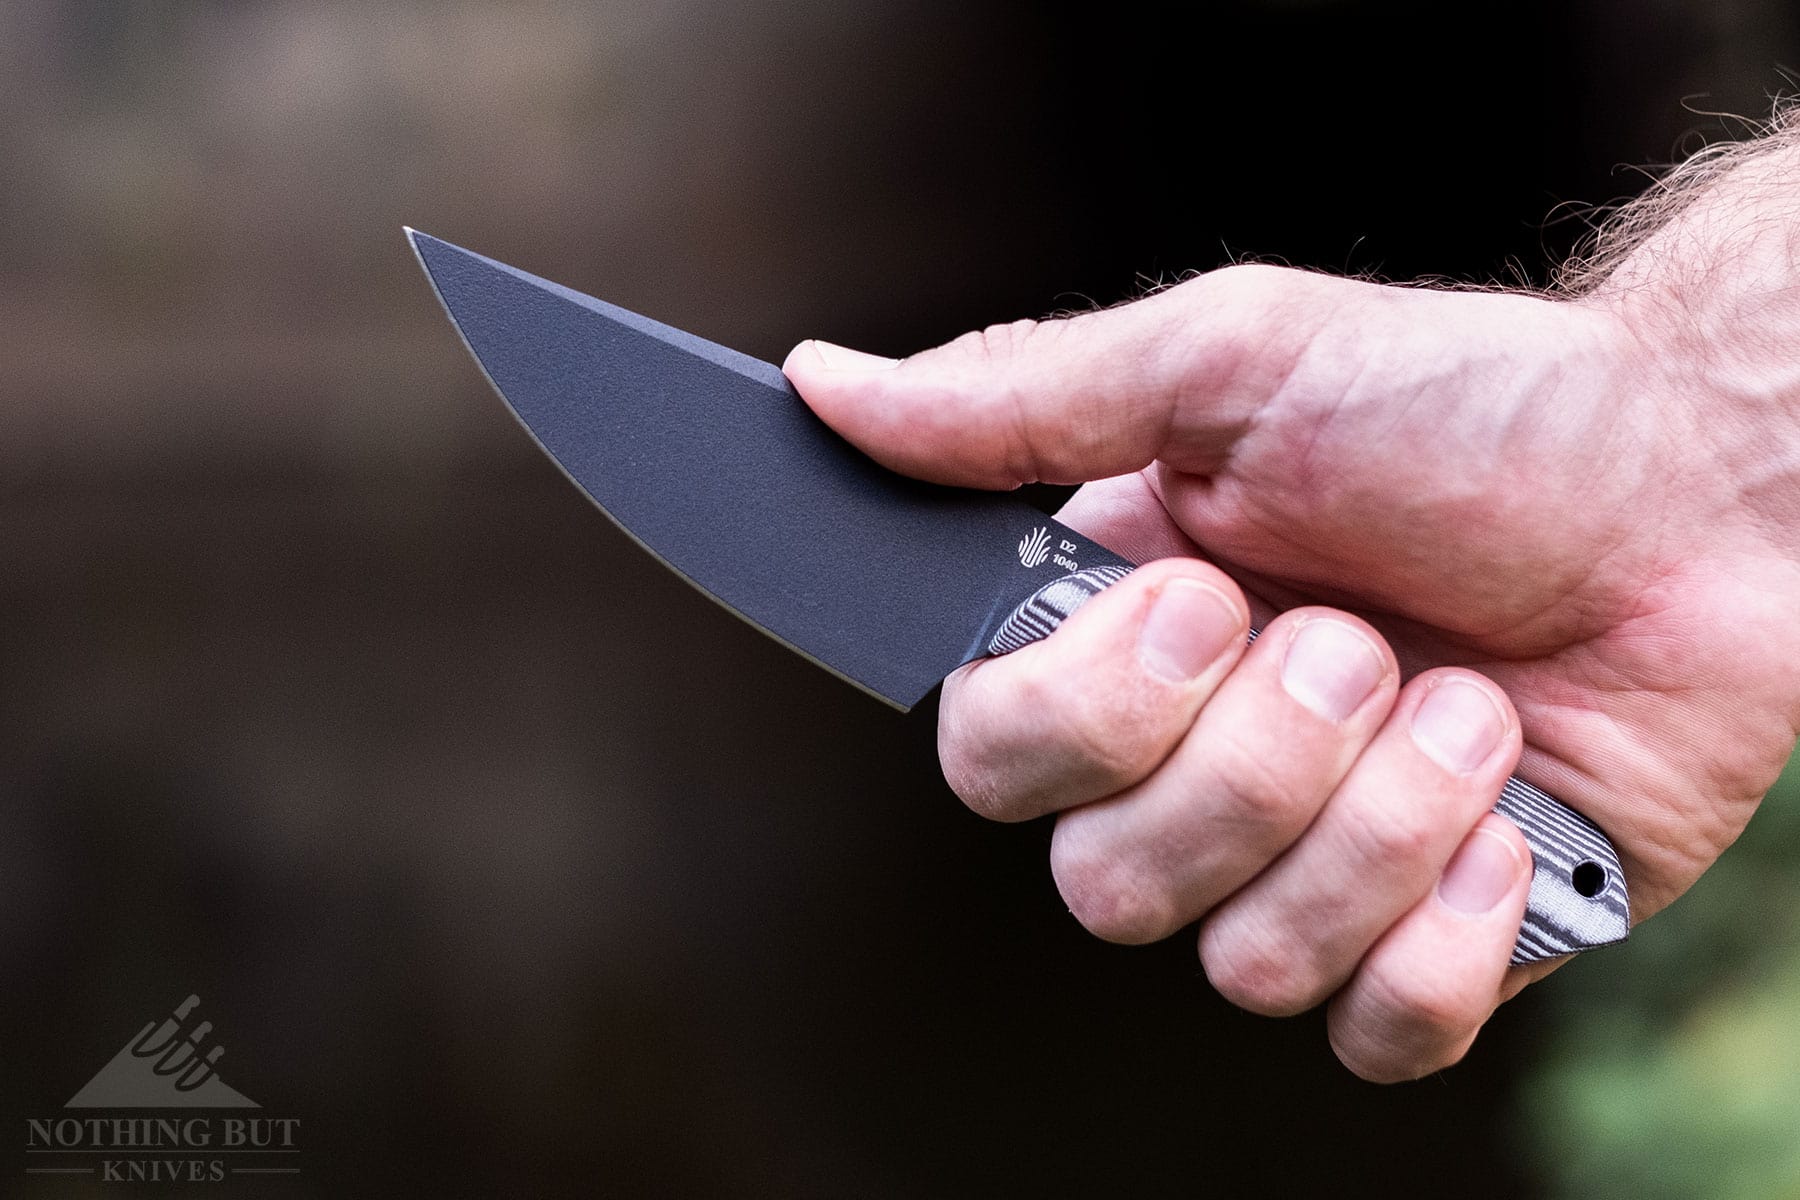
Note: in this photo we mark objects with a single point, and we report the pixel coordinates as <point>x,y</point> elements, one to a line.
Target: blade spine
<point>735,361</point>
<point>412,241</point>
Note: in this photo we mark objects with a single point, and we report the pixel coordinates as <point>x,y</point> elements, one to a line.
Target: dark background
<point>500,857</point>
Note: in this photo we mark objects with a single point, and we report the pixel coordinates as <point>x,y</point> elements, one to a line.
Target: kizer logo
<point>1034,547</point>
<point>168,1065</point>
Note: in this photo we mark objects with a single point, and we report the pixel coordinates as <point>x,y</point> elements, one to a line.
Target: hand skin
<point>1502,532</point>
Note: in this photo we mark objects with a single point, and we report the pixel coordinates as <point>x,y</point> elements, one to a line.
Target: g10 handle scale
<point>1578,899</point>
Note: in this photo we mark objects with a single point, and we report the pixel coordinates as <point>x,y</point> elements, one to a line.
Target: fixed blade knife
<point>711,461</point>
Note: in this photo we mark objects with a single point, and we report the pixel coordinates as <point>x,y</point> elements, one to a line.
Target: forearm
<point>1703,273</point>
<point>1716,227</point>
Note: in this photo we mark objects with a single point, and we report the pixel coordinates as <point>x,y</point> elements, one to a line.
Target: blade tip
<point>419,239</point>
<point>422,244</point>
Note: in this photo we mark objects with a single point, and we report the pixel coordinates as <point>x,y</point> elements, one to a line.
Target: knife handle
<point>1578,898</point>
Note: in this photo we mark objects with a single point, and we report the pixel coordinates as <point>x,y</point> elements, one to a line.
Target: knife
<point>710,460</point>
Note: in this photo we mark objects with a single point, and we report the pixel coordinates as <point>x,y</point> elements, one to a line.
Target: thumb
<point>1178,375</point>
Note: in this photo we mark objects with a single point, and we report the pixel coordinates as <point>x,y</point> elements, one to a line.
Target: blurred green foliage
<point>1672,1064</point>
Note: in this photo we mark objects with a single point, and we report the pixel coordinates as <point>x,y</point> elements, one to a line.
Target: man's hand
<point>1497,529</point>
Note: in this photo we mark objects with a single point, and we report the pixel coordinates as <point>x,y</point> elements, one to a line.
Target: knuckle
<point>1041,438</point>
<point>1249,290</point>
<point>1103,726</point>
<point>1251,972</point>
<point>1375,1062</point>
<point>1256,794</point>
<point>1414,1023</point>
<point>998,344</point>
<point>1009,338</point>
<point>979,789</point>
<point>1106,897</point>
<point>1372,1063</point>
<point>1425,1006</point>
<point>1110,748</point>
<point>1397,832</point>
<point>1249,279</point>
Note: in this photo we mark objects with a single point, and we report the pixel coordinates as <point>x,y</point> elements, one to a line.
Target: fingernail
<point>1331,668</point>
<point>842,358</point>
<point>1482,873</point>
<point>1458,725</point>
<point>1189,626</point>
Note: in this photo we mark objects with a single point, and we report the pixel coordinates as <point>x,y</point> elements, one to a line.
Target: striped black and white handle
<point>1578,899</point>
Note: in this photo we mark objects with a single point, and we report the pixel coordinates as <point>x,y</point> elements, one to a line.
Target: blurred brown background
<point>511,865</point>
